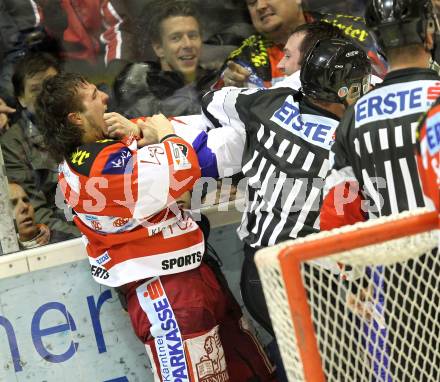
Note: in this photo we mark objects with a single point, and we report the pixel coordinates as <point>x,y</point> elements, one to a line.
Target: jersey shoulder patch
<point>82,159</point>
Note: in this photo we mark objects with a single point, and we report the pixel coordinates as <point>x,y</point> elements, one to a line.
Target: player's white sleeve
<point>220,107</point>
<point>219,151</point>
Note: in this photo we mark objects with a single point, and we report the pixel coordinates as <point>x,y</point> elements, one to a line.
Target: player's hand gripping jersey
<point>125,201</point>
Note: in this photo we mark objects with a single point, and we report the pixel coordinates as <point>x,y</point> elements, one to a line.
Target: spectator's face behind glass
<point>91,118</point>
<point>290,63</point>
<point>32,87</point>
<point>179,46</point>
<point>275,18</point>
<point>23,213</point>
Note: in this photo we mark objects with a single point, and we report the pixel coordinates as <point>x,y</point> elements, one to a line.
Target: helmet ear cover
<point>332,68</point>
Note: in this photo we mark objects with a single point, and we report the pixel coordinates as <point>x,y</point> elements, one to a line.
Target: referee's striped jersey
<point>375,145</point>
<point>285,158</point>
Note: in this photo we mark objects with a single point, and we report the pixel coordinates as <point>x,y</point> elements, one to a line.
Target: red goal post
<point>375,321</point>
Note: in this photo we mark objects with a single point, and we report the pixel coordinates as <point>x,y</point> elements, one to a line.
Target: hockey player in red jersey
<point>428,154</point>
<point>137,238</point>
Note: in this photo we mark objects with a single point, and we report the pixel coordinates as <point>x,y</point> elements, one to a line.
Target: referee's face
<point>289,64</point>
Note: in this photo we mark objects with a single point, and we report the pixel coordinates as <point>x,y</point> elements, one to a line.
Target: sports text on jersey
<point>99,272</point>
<point>288,117</point>
<point>182,261</point>
<point>394,102</point>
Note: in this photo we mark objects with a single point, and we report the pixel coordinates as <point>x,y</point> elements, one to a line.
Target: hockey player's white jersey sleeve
<point>219,145</point>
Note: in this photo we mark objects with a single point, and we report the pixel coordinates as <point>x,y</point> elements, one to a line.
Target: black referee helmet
<point>333,69</point>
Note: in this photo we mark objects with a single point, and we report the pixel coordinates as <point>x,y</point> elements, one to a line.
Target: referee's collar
<point>409,74</point>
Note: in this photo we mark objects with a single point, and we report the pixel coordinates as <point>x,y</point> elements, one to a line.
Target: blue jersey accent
<point>207,159</point>
<point>117,162</point>
<point>433,134</point>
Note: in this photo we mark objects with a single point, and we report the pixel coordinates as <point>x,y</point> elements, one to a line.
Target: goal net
<point>359,303</point>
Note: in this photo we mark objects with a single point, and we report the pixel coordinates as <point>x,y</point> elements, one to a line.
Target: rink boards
<point>57,324</point>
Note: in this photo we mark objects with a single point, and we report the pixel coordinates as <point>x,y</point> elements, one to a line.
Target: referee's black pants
<point>253,298</point>
<point>252,291</point>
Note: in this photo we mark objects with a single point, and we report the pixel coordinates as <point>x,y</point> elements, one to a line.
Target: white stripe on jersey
<point>398,136</point>
<point>324,169</point>
<point>254,181</point>
<point>249,164</point>
<point>223,106</point>
<point>286,210</point>
<point>391,187</point>
<point>294,153</point>
<point>260,133</point>
<point>117,31</point>
<point>308,161</point>
<point>414,132</point>
<point>367,139</point>
<point>269,142</point>
<point>262,192</point>
<point>383,139</point>
<point>36,13</point>
<point>357,146</point>
<point>283,146</point>
<point>316,225</point>
<point>407,181</point>
<point>271,204</point>
<point>314,195</point>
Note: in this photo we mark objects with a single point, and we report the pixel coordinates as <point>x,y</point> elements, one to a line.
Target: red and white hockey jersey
<point>125,201</point>
<point>428,158</point>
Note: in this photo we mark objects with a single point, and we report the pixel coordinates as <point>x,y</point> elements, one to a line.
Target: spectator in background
<point>29,233</point>
<point>259,54</point>
<point>225,24</point>
<point>4,119</point>
<point>21,30</point>
<point>175,84</point>
<point>26,159</point>
<point>94,37</point>
<point>255,62</point>
<point>98,39</point>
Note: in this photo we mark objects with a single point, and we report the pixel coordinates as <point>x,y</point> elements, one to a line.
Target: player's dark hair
<point>59,97</point>
<point>313,33</point>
